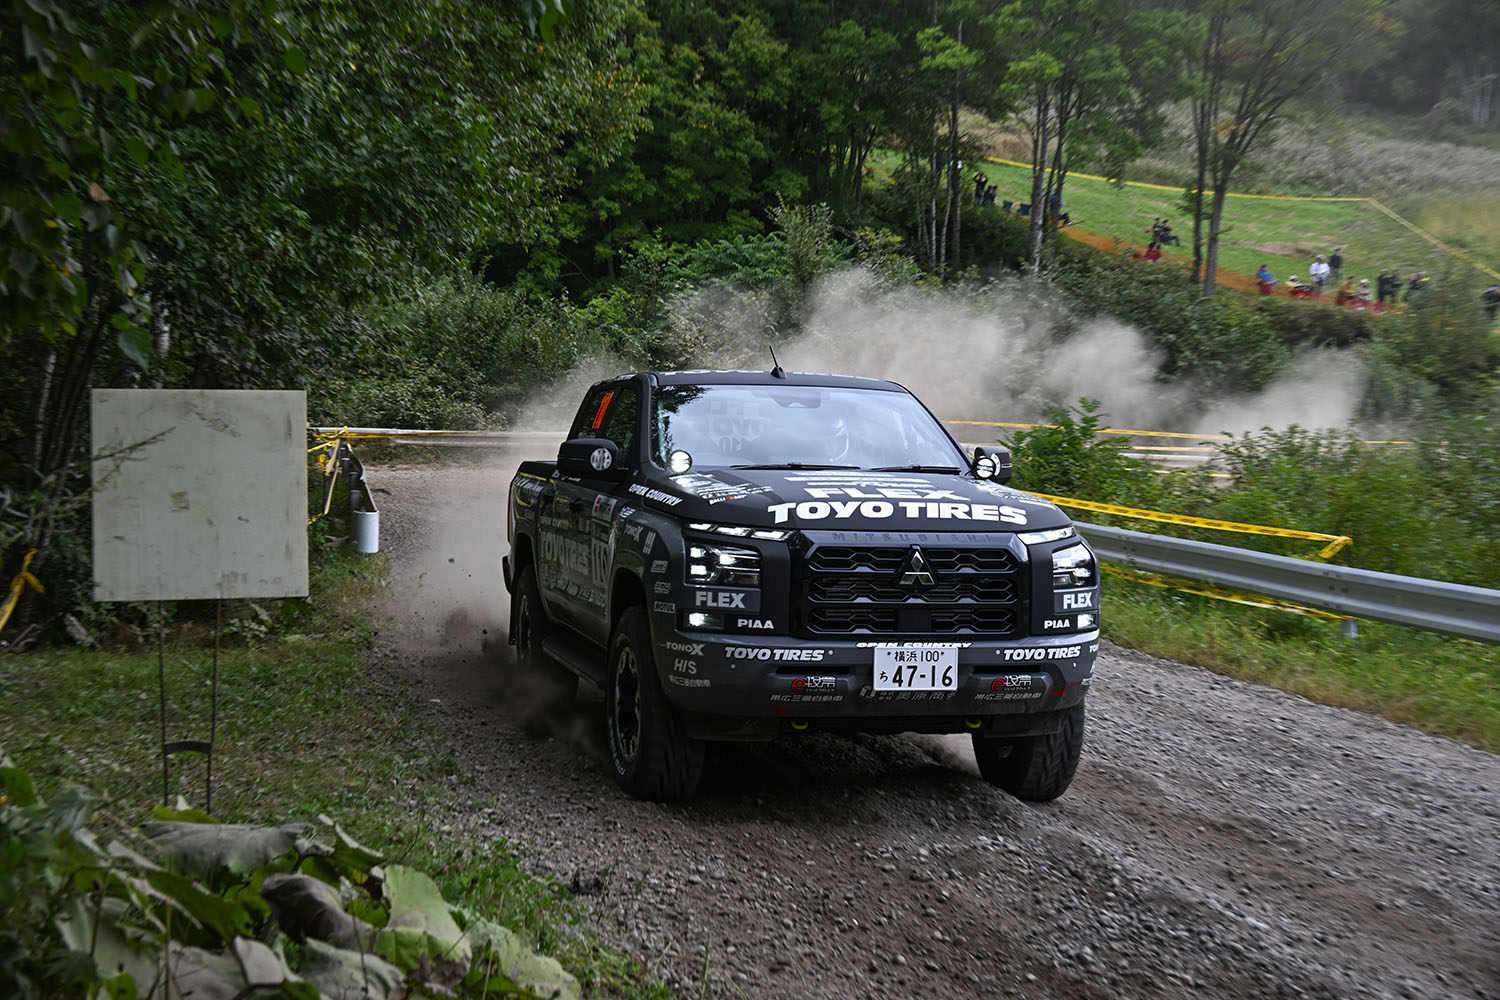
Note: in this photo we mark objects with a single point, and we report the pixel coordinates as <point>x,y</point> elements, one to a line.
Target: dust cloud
<point>1006,352</point>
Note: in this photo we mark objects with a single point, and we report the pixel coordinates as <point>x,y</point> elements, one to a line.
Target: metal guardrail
<point>1453,608</point>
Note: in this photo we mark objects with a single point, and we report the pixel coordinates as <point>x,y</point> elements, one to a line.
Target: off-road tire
<point>546,685</point>
<point>1034,768</point>
<point>651,754</point>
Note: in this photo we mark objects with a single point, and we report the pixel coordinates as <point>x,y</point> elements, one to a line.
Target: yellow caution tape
<point>327,450</point>
<point>1336,542</point>
<point>18,585</point>
<point>1122,430</point>
<point>1435,241</point>
<point>1177,189</point>
<point>1219,594</point>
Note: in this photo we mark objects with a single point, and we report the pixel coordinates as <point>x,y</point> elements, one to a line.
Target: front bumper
<point>737,687</point>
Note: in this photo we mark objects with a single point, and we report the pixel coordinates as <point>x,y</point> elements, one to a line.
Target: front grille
<point>847,590</point>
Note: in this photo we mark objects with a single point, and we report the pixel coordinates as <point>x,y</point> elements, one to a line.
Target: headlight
<point>769,534</point>
<point>722,565</point>
<point>1073,567</point>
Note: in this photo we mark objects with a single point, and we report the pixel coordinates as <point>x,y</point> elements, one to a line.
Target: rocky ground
<point>1221,839</point>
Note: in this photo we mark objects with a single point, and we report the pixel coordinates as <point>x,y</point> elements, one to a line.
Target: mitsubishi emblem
<point>914,571</point>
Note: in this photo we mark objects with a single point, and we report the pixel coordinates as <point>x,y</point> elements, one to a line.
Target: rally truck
<point>745,555</point>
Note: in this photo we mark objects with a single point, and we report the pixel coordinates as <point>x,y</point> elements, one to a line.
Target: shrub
<point>465,353</point>
<point>1217,342</point>
<point>1071,459</point>
<point>1307,324</point>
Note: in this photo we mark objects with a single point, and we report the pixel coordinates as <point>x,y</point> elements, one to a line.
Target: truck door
<point>582,556</point>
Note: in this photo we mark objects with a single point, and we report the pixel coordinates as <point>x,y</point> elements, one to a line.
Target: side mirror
<point>590,458</point>
<point>991,463</point>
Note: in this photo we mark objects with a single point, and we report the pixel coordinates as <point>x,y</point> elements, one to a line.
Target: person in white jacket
<point>1319,274</point>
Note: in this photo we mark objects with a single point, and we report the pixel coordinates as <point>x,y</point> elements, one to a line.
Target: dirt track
<point>1221,839</point>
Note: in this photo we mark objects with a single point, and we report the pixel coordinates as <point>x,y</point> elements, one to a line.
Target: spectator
<point>1167,236</point>
<point>1383,285</point>
<point>1345,293</point>
<point>1363,293</point>
<point>1336,264</point>
<point>1416,284</point>
<point>1265,279</point>
<point>989,195</point>
<point>1492,302</point>
<point>979,183</point>
<point>1319,274</point>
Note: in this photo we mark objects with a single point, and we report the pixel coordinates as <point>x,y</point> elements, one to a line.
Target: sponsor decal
<point>913,645</point>
<point>666,607</point>
<point>654,494</point>
<point>1093,647</point>
<point>1013,687</point>
<point>752,623</point>
<point>803,699</point>
<point>726,600</point>
<point>633,530</point>
<point>682,665</point>
<point>659,566</point>
<point>604,507</point>
<point>690,682</point>
<point>600,459</point>
<point>1014,496</point>
<point>815,685</point>
<point>1075,600</point>
<point>868,693</point>
<point>663,586</point>
<point>1058,623</point>
<point>712,491</point>
<point>588,558</point>
<point>1042,653</point>
<point>817,510</point>
<point>690,648</point>
<point>778,654</point>
<point>648,543</point>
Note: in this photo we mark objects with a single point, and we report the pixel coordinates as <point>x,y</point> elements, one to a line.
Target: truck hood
<point>850,499</point>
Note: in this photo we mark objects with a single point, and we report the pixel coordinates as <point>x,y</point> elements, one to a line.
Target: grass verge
<point>304,727</point>
<point>1436,683</point>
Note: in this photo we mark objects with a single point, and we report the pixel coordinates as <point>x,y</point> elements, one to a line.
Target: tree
<point>258,174</point>
<point>1090,77</point>
<point>1252,60</point>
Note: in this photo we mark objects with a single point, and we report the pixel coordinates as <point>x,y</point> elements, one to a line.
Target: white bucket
<point>366,530</point>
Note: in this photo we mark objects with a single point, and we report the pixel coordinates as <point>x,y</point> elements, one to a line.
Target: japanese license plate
<point>916,670</point>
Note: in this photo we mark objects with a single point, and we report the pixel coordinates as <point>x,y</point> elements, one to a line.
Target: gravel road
<point>1221,839</point>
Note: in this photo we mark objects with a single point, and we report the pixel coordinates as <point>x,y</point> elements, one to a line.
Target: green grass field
<point>1284,233</point>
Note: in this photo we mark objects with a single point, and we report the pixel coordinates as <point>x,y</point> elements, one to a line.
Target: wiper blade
<point>953,469</point>
<point>793,465</point>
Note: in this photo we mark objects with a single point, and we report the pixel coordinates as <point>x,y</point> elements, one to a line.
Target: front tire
<point>651,754</point>
<point>546,684</point>
<point>1034,768</point>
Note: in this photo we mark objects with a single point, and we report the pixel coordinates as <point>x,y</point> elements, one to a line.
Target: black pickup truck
<point>737,555</point>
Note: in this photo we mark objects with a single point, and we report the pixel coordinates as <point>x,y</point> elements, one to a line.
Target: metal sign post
<point>198,494</point>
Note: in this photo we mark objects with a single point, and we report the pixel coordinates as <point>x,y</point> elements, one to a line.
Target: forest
<point>422,210</point>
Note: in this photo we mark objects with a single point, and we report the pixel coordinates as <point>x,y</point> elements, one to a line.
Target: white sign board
<point>199,494</point>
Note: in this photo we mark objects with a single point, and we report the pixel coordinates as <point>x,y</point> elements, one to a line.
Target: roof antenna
<point>778,371</point>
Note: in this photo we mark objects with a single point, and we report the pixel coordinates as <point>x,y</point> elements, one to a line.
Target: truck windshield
<point>727,425</point>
